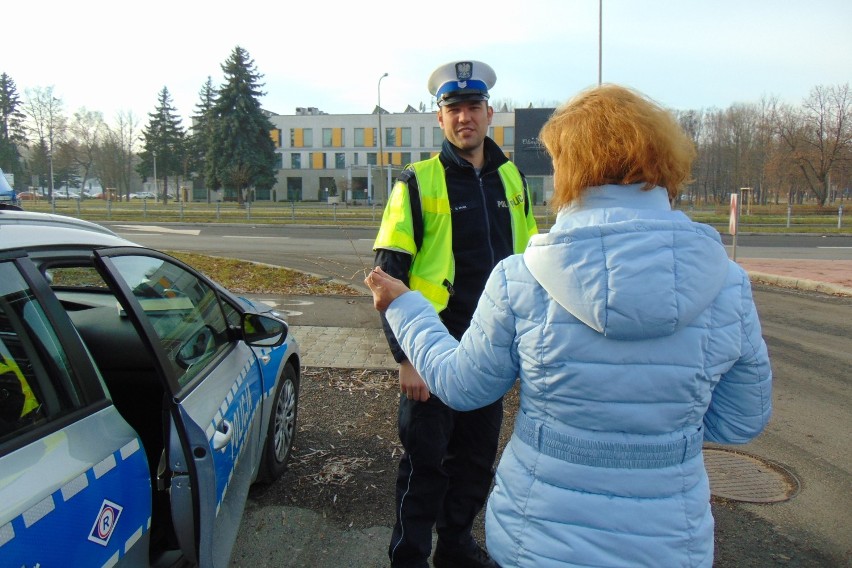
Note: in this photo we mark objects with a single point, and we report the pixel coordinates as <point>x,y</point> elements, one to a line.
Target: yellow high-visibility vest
<point>8,365</point>
<point>433,265</point>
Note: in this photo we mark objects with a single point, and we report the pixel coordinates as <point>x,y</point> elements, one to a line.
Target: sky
<point>686,54</point>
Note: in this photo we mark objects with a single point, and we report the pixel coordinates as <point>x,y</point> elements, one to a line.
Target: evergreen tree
<point>202,129</point>
<point>164,136</point>
<point>242,154</point>
<point>12,132</point>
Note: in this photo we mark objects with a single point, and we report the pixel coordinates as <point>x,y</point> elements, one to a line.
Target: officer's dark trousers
<point>444,477</point>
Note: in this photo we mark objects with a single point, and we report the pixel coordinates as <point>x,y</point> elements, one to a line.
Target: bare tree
<point>86,132</point>
<point>819,135</point>
<point>116,153</point>
<point>715,156</point>
<point>46,121</point>
<point>692,122</point>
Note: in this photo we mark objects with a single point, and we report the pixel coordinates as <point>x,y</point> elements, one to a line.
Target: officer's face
<point>465,123</point>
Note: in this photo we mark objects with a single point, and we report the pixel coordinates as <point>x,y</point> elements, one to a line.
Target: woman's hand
<point>385,288</point>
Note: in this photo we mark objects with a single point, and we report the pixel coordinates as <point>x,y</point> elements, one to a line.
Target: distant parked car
<point>29,195</point>
<point>143,195</point>
<point>65,194</point>
<point>92,194</point>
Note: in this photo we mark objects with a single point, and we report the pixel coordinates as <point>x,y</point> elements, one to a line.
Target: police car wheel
<point>282,427</point>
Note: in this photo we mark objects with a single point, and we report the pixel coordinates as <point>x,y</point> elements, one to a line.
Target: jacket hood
<point>626,265</point>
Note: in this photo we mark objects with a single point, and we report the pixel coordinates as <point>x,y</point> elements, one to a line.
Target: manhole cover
<point>744,477</point>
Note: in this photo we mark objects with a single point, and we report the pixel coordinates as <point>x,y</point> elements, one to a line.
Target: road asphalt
<point>345,331</point>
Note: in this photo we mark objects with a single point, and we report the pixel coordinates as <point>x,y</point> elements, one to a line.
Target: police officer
<point>448,221</point>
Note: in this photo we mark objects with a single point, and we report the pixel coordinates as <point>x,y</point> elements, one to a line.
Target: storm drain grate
<point>743,477</point>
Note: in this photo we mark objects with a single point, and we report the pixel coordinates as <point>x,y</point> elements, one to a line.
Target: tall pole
<point>156,185</point>
<point>381,147</point>
<point>600,41</point>
<point>50,162</point>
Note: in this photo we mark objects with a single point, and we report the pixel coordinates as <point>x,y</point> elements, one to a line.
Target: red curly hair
<point>612,135</point>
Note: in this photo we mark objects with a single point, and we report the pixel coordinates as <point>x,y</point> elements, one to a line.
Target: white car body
<point>139,401</point>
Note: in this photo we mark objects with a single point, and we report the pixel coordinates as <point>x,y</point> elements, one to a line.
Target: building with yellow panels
<point>337,157</point>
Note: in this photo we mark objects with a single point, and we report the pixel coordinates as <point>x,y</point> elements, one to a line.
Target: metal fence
<point>764,218</point>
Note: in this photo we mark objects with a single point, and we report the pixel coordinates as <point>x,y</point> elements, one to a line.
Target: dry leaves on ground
<point>347,449</point>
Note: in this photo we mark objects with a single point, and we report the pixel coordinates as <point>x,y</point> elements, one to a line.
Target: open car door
<point>212,412</point>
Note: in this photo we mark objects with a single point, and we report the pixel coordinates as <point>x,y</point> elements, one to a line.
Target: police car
<point>139,400</point>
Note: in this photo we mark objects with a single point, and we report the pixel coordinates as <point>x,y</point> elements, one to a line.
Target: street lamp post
<point>156,193</point>
<point>381,147</point>
<point>50,163</point>
<point>600,41</point>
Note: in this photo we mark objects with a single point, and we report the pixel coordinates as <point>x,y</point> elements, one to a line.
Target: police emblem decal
<point>464,70</point>
<point>105,523</point>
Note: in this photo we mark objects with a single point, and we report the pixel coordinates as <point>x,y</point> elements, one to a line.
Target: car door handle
<point>223,434</point>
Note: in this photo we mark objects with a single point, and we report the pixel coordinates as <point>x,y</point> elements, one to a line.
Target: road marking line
<point>250,237</point>
<point>194,232</point>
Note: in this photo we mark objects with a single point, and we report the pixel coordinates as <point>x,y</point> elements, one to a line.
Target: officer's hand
<point>385,288</point>
<point>411,384</point>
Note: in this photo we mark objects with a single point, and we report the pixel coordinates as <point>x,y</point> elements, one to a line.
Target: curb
<point>800,284</point>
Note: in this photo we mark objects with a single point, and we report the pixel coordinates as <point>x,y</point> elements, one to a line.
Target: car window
<point>37,382</point>
<point>233,316</point>
<point>183,310</point>
<point>75,276</point>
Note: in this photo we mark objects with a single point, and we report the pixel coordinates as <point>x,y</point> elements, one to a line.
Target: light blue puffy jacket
<point>634,339</point>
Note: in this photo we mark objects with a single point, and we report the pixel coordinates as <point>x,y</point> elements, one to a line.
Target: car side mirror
<point>263,331</point>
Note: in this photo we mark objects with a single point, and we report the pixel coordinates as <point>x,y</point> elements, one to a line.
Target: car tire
<point>281,432</point>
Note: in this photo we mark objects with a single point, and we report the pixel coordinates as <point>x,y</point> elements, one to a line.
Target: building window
<point>422,136</point>
<point>406,158</point>
<point>398,137</point>
<point>275,134</point>
<point>355,155</point>
<point>425,155</point>
<point>318,160</point>
<point>332,137</point>
<point>328,187</point>
<point>509,136</point>
<point>359,188</point>
<point>365,137</point>
<point>437,136</point>
<point>301,138</point>
<point>294,189</point>
<point>296,161</point>
<point>371,158</point>
<point>340,160</point>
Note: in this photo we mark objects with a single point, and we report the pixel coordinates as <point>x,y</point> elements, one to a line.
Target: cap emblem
<point>464,70</point>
